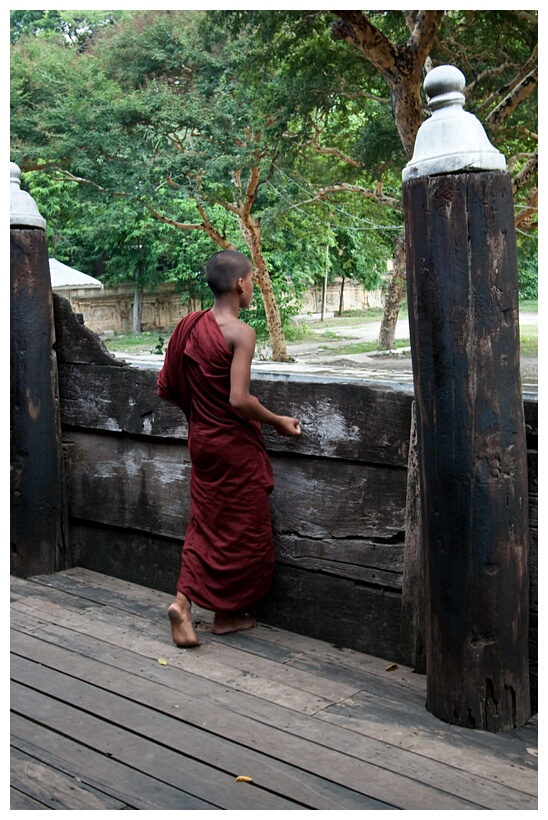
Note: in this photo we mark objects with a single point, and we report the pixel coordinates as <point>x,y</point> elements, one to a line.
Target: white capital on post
<point>23,209</point>
<point>451,140</point>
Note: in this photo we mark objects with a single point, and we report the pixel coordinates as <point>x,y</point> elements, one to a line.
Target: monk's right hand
<point>288,426</point>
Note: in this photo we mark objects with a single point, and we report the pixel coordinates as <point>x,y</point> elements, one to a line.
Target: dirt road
<point>318,355</point>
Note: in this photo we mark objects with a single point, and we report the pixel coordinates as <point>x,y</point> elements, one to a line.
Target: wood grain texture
<point>92,704</point>
<point>463,293</point>
<point>338,508</point>
<point>36,475</point>
<point>352,421</point>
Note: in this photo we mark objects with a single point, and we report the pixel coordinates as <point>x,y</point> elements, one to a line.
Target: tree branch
<point>529,170</point>
<point>523,218</point>
<point>524,15</point>
<point>212,232</point>
<point>362,95</point>
<point>346,187</point>
<point>508,105</point>
<point>228,206</point>
<point>423,34</point>
<point>251,191</point>
<point>204,226</point>
<point>334,152</point>
<point>82,181</point>
<point>182,226</point>
<point>357,30</point>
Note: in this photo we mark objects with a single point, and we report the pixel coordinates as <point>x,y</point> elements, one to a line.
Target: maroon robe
<point>228,556</point>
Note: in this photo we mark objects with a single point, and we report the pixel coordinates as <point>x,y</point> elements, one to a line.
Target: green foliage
<point>73,27</point>
<point>159,349</point>
<point>378,143</point>
<point>528,279</point>
<point>354,256</point>
<point>118,241</point>
<point>170,110</point>
<point>288,304</point>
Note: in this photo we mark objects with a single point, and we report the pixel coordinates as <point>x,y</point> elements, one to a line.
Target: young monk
<point>228,556</point>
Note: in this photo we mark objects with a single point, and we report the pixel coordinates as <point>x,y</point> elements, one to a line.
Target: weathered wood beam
<point>37,499</point>
<point>463,299</point>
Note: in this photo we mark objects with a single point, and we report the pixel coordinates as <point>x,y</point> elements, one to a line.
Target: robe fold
<point>228,556</point>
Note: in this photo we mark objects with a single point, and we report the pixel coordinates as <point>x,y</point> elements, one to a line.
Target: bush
<point>528,281</point>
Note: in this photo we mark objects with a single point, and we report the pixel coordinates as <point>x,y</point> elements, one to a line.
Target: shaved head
<point>224,268</point>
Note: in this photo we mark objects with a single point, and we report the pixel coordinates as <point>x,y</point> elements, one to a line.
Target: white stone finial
<point>451,140</point>
<point>23,209</point>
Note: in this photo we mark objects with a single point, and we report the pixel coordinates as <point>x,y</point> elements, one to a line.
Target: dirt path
<point>319,354</point>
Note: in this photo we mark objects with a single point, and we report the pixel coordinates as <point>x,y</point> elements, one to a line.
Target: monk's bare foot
<point>225,622</point>
<point>182,629</point>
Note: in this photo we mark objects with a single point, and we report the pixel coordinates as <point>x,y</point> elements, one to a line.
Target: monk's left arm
<point>240,397</point>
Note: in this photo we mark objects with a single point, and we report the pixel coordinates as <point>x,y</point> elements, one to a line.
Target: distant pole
<point>463,315</point>
<point>325,275</point>
<point>37,513</point>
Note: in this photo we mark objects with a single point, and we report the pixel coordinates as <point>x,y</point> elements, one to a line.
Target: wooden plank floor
<point>106,713</point>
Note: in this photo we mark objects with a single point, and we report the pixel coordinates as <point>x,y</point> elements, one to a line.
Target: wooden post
<point>463,315</point>
<point>37,496</point>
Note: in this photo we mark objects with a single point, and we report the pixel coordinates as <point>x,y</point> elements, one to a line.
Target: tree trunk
<point>324,299</point>
<point>137,309</point>
<point>325,275</point>
<point>273,319</point>
<point>252,234</point>
<point>395,294</point>
<point>341,298</point>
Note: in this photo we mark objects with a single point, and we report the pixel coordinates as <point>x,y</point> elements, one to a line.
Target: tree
<point>166,120</point>
<point>224,108</point>
<point>379,80</point>
<point>74,27</point>
<point>116,240</point>
<point>403,66</point>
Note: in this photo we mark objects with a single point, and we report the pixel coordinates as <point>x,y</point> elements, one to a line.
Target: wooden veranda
<point>108,714</point>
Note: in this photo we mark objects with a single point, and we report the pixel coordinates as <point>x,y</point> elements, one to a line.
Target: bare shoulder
<point>244,331</point>
<point>239,333</point>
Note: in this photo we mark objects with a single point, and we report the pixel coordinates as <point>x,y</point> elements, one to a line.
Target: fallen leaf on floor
<point>162,661</point>
<point>391,667</point>
<point>243,779</point>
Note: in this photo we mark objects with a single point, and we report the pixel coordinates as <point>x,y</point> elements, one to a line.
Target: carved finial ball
<point>15,173</point>
<point>23,209</point>
<point>444,79</point>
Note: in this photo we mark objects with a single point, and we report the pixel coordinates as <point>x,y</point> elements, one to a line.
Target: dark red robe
<point>228,556</point>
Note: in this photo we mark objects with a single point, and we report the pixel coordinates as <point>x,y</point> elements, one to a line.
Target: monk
<point>228,556</point>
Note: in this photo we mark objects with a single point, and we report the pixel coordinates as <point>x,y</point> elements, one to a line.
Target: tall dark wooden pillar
<point>463,299</point>
<point>463,309</point>
<point>37,496</point>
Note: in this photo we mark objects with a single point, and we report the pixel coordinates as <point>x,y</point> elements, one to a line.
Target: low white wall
<point>111,309</point>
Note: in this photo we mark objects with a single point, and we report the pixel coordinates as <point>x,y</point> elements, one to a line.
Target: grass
<point>145,342</point>
<point>363,347</point>
<point>528,340</point>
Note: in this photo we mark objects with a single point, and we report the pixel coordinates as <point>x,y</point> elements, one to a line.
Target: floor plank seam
<point>90,648</point>
<point>222,770</point>
<point>317,714</point>
<point>267,755</point>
